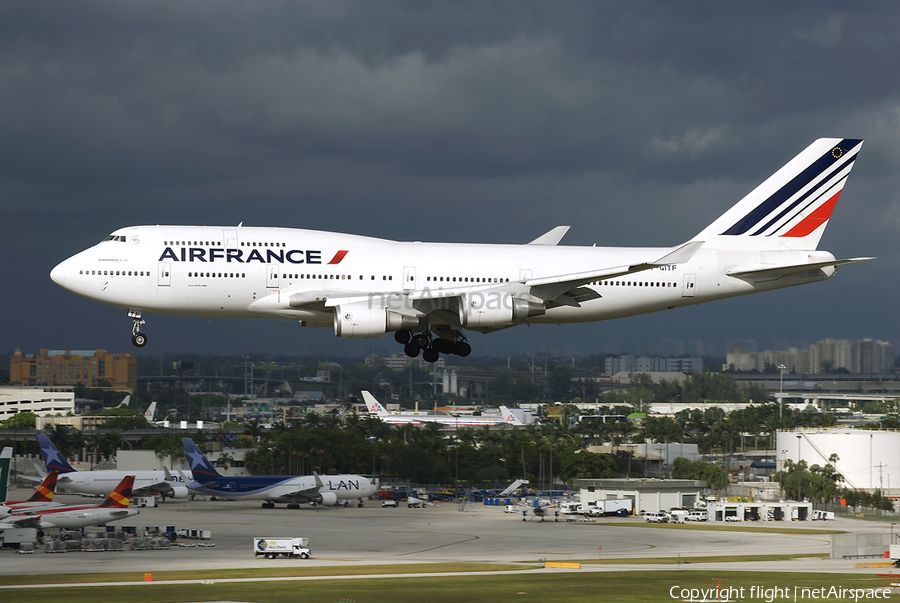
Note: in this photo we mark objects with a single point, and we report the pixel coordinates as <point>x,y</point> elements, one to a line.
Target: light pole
<point>372,441</point>
<point>781,368</point>
<point>798,467</point>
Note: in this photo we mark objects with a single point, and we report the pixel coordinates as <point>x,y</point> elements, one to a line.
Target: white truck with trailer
<point>610,506</point>
<point>281,547</point>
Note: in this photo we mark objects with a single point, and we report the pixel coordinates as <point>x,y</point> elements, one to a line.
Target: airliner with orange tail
<point>115,507</point>
<point>41,499</point>
<point>429,294</point>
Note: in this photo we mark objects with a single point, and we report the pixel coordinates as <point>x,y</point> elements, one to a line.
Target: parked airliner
<point>147,482</point>
<point>116,506</point>
<point>428,294</point>
<point>290,489</point>
<point>377,410</point>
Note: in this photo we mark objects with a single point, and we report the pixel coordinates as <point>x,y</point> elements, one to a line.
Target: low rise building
<point>38,400</point>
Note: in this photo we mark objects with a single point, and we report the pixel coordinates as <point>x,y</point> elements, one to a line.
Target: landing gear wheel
<point>442,346</point>
<point>139,340</point>
<point>402,337</point>
<point>461,348</point>
<point>430,355</point>
<point>422,340</point>
<point>411,350</point>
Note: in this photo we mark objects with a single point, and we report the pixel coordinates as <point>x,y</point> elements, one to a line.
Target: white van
<point>657,517</point>
<point>697,516</point>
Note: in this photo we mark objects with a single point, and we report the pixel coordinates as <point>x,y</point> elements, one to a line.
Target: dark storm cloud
<point>638,123</point>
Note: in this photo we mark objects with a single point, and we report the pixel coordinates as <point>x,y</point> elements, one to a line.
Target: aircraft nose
<point>58,274</point>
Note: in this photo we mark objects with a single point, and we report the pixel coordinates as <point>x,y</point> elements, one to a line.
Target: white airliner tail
<point>374,406</point>
<point>789,211</point>
<point>151,412</point>
<point>508,417</point>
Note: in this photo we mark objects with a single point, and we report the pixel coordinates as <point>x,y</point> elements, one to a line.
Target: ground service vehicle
<point>281,547</point>
<point>698,516</point>
<point>657,517</point>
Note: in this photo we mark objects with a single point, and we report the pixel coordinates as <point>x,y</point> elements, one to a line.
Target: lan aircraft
<point>428,294</point>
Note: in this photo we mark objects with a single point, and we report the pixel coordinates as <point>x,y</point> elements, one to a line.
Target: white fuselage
<point>71,516</point>
<point>104,482</point>
<point>252,272</point>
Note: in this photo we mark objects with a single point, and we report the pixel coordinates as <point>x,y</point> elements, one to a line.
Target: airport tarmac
<point>442,533</point>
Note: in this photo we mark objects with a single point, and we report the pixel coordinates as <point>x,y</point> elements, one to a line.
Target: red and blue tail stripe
<point>822,170</point>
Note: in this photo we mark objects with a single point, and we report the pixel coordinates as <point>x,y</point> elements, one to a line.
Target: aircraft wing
<point>156,488</point>
<point>551,288</point>
<point>562,289</point>
<point>28,521</point>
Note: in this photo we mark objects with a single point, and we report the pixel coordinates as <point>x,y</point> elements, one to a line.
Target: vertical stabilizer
<point>791,208</point>
<point>53,459</point>
<point>46,489</point>
<point>120,498</point>
<point>4,477</point>
<point>508,417</point>
<point>373,405</point>
<point>201,468</point>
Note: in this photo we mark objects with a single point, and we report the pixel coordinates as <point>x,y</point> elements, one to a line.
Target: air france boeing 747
<point>428,294</point>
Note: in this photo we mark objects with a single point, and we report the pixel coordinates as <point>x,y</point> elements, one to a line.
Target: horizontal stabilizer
<point>790,269</point>
<point>551,237</point>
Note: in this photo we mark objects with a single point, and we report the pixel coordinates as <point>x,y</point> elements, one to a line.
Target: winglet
<point>551,237</point>
<point>681,255</point>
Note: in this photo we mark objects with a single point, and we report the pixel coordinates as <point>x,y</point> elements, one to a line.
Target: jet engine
<point>361,319</point>
<point>178,492</point>
<point>324,498</point>
<point>494,309</point>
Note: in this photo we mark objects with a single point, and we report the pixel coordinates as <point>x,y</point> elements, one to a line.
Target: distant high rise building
<point>872,357</point>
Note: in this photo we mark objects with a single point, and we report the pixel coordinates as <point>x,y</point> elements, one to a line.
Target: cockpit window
<point>115,238</point>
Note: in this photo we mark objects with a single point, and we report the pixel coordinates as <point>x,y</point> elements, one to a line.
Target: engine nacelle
<point>494,309</point>
<point>324,498</point>
<point>362,319</point>
<point>178,492</point>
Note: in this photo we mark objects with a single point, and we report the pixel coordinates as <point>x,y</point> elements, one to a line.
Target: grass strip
<point>567,587</point>
<point>253,573</point>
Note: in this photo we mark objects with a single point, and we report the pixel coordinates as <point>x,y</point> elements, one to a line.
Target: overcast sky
<point>637,123</point>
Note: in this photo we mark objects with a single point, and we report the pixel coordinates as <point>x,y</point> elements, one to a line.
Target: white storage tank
<point>867,459</point>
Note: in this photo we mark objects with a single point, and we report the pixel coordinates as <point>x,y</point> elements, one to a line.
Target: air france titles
<point>199,254</point>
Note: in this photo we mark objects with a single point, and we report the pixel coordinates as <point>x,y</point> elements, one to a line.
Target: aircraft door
<point>690,282</point>
<point>272,276</point>
<point>165,278</point>
<point>230,237</point>
<point>525,274</point>
<point>409,278</point>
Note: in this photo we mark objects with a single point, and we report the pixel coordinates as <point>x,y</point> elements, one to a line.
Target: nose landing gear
<point>137,338</point>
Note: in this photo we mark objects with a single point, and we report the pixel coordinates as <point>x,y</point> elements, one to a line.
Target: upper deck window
<point>120,238</point>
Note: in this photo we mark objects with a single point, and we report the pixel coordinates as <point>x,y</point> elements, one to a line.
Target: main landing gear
<point>137,338</point>
<point>432,347</point>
